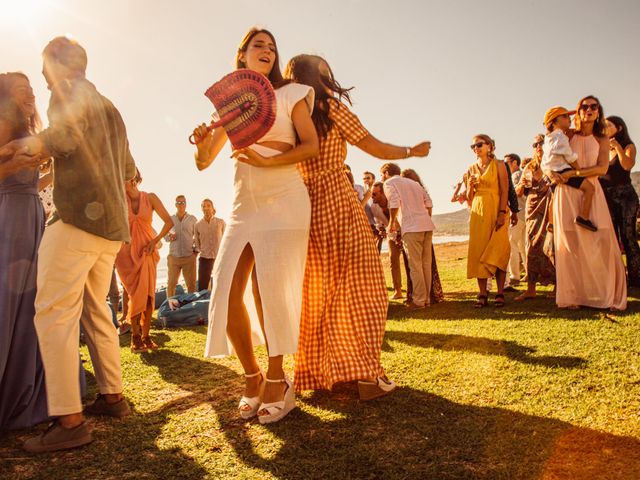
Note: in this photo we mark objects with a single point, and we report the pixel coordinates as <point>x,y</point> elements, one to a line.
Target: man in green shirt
<point>88,142</point>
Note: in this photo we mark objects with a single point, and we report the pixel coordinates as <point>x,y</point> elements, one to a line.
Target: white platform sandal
<point>252,402</point>
<point>278,410</point>
<point>370,390</point>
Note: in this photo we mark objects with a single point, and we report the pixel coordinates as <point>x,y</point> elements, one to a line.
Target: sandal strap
<point>273,407</point>
<point>251,375</point>
<point>251,402</point>
<point>279,380</point>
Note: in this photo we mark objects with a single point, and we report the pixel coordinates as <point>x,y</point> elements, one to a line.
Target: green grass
<point>527,392</point>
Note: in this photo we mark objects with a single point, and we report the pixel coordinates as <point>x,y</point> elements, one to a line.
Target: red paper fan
<point>245,104</point>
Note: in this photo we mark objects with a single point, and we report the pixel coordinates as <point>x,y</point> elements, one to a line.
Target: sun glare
<point>21,11</point>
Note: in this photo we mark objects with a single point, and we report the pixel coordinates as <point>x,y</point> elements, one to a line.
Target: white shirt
<point>413,201</point>
<point>208,236</point>
<point>556,152</point>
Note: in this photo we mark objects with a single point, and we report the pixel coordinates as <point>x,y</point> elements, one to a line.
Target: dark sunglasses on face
<point>477,145</point>
<point>537,144</point>
<point>589,106</point>
<point>181,203</point>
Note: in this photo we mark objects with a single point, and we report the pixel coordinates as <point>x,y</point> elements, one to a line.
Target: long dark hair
<point>411,174</point>
<point>10,112</point>
<point>275,76</point>
<point>600,125</point>
<point>305,69</point>
<point>622,136</point>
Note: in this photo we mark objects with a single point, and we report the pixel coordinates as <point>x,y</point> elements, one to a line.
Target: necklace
<point>481,167</point>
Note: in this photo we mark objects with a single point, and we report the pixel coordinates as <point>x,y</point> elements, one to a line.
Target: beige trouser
<point>74,274</point>
<point>418,248</point>
<point>188,267</point>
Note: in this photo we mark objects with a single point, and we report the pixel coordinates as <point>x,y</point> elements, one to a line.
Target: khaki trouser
<point>418,248</point>
<point>517,236</point>
<point>74,273</point>
<point>394,261</point>
<point>188,267</point>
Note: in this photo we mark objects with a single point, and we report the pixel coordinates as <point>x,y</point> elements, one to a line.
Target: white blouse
<point>286,98</point>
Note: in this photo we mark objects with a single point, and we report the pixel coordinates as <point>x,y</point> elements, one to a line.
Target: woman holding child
<point>589,267</point>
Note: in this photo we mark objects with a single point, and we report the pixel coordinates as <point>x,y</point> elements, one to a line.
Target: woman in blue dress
<point>22,390</point>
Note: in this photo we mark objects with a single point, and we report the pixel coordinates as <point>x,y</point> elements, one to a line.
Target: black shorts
<point>574,182</point>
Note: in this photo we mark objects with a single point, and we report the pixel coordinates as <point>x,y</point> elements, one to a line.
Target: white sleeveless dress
<point>271,212</point>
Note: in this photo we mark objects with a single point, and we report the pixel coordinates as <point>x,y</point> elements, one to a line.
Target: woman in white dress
<point>266,238</point>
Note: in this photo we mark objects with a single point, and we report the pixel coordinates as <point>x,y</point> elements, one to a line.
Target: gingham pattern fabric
<point>344,308</point>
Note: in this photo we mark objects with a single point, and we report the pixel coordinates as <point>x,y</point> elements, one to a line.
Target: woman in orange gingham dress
<point>344,307</point>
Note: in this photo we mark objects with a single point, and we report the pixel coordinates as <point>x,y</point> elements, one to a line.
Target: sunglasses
<point>537,144</point>
<point>589,106</point>
<point>181,203</point>
<point>477,145</point>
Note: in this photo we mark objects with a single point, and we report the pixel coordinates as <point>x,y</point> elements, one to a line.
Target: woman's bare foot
<point>398,295</point>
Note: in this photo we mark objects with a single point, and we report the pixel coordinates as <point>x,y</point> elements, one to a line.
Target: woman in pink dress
<point>589,268</point>
<point>137,261</point>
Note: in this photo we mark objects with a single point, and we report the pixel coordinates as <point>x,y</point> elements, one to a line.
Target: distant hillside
<point>454,223</point>
<point>457,223</point>
<point>635,180</point>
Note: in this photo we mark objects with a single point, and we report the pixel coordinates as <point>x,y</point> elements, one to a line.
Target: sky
<point>422,70</point>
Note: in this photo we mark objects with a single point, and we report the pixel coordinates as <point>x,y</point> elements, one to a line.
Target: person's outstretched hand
<point>420,150</point>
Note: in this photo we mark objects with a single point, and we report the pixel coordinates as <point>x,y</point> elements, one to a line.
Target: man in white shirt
<point>381,215</point>
<point>182,252</point>
<point>517,232</point>
<point>209,231</point>
<point>411,205</point>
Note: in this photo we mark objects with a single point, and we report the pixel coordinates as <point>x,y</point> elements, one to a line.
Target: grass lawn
<point>526,392</point>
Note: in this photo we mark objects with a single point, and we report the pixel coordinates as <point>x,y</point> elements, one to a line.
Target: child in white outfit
<point>558,157</point>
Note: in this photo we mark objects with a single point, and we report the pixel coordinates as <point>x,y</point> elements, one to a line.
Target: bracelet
<point>408,152</point>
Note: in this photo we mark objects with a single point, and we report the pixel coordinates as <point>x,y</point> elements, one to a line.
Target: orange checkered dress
<point>344,306</point>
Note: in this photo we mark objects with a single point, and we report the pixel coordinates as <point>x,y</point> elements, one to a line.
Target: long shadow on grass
<point>128,448</point>
<point>460,307</point>
<point>485,346</point>
<point>413,434</point>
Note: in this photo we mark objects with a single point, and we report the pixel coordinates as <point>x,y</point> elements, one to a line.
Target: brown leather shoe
<point>101,407</point>
<point>56,437</point>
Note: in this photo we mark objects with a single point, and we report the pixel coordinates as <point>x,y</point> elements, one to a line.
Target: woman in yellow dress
<point>487,193</point>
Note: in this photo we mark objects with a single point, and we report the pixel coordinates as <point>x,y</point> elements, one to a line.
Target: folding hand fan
<point>246,107</point>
